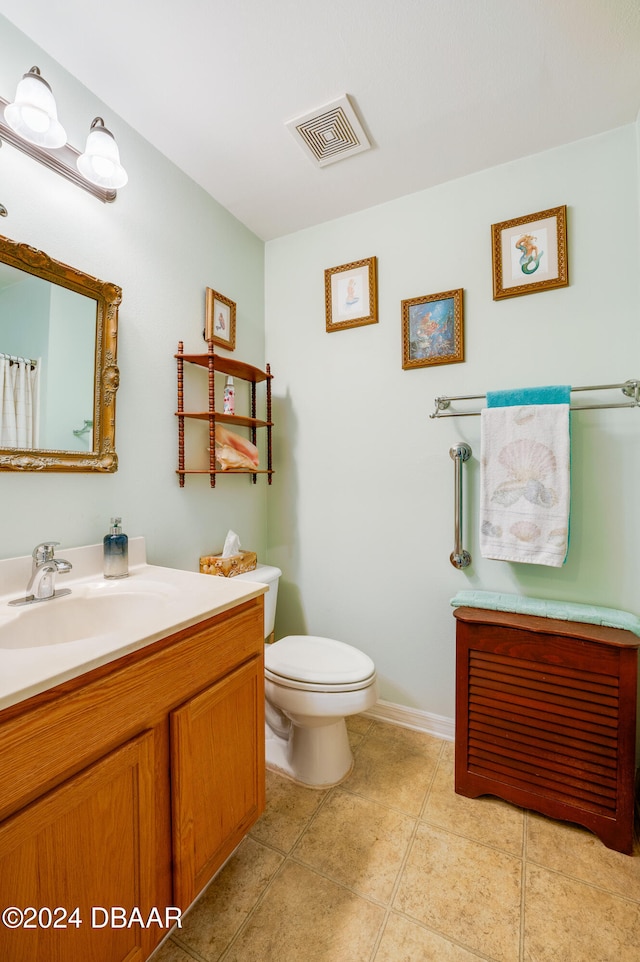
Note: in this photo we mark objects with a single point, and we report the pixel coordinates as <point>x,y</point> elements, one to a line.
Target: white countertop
<point>175,599</point>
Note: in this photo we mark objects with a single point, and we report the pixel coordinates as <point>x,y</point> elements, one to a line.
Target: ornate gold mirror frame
<point>102,457</point>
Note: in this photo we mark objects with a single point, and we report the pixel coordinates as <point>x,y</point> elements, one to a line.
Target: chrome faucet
<point>42,583</point>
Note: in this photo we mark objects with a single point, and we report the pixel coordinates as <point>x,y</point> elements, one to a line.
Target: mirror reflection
<point>58,373</point>
<point>46,364</point>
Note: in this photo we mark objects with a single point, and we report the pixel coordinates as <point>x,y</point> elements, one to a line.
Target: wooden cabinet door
<point>217,784</point>
<point>86,845</point>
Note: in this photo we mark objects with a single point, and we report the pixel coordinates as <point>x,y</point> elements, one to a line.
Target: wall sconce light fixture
<point>33,114</point>
<point>100,162</point>
<point>31,124</point>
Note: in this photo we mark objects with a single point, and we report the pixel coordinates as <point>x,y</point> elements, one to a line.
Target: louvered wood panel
<point>562,698</point>
<point>545,718</point>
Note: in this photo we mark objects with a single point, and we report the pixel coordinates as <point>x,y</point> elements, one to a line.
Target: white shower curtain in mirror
<point>19,380</point>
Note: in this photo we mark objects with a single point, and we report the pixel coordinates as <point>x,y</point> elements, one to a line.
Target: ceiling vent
<point>330,133</point>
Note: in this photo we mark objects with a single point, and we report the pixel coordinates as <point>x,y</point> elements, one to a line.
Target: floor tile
<point>393,866</point>
<point>289,808</point>
<point>170,952</point>
<point>573,922</point>
<point>358,843</point>
<point>216,917</point>
<point>307,918</point>
<point>577,852</point>
<point>488,820</point>
<point>465,891</point>
<point>406,941</point>
<point>394,766</point>
<point>359,724</point>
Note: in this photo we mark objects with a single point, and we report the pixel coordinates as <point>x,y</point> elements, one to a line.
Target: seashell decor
<point>527,460</point>
<point>525,531</point>
<point>528,464</point>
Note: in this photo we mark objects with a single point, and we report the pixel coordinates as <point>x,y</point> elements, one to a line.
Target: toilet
<point>311,685</point>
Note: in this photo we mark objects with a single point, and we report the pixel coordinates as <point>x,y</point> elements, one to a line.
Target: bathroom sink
<point>45,643</point>
<point>88,612</point>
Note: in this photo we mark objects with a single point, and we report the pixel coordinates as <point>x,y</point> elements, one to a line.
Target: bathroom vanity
<point>127,786</point>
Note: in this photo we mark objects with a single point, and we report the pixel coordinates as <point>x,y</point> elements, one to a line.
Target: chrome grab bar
<point>459,558</point>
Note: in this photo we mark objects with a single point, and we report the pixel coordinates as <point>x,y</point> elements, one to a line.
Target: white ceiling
<point>443,87</point>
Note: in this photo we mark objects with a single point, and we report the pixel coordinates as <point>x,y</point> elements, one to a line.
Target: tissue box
<point>235,564</point>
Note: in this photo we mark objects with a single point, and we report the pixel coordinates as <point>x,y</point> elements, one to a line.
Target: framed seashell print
<point>432,330</point>
<point>351,294</point>
<point>530,253</point>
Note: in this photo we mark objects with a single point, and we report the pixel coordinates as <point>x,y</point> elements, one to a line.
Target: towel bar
<point>459,558</point>
<point>630,389</point>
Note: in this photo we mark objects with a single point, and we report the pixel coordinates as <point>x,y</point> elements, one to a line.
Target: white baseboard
<point>421,721</point>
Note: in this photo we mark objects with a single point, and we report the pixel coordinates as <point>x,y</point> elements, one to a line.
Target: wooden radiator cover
<point>546,718</point>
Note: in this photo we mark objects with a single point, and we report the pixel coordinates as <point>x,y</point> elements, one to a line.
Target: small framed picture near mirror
<point>220,320</point>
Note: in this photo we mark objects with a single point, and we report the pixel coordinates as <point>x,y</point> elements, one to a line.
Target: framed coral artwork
<point>351,294</point>
<point>220,320</point>
<point>530,253</point>
<point>432,330</point>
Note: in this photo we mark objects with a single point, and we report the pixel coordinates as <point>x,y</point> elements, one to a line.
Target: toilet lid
<point>308,658</point>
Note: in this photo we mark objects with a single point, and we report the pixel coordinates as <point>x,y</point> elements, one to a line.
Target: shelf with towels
<point>630,389</point>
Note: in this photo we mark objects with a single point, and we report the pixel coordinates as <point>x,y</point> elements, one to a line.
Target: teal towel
<point>554,394</point>
<point>563,610</point>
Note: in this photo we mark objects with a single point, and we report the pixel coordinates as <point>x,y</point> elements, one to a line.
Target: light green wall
<point>70,375</point>
<point>360,513</point>
<point>24,304</point>
<point>163,241</point>
<point>361,520</point>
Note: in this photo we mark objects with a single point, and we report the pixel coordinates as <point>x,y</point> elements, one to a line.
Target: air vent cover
<point>330,133</point>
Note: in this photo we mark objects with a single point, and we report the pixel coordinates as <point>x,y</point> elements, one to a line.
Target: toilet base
<point>318,756</point>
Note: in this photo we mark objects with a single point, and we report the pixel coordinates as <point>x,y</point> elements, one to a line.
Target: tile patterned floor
<point>393,866</point>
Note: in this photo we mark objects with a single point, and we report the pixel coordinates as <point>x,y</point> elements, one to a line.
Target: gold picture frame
<point>433,330</point>
<point>530,253</point>
<point>351,294</point>
<point>220,320</point>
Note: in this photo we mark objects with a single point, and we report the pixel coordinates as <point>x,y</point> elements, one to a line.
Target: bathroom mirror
<point>58,370</point>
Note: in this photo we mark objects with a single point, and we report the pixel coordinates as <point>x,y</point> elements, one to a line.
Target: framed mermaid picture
<point>351,294</point>
<point>530,253</point>
<point>432,330</point>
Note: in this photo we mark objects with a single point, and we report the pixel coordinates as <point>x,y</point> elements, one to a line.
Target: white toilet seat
<point>317,686</point>
<point>312,663</point>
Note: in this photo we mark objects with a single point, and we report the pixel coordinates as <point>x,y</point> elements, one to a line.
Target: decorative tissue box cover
<point>235,564</point>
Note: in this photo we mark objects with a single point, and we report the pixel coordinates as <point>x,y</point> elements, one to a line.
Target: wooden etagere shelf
<point>216,363</point>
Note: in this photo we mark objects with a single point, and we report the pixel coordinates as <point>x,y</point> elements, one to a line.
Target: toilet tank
<point>268,575</point>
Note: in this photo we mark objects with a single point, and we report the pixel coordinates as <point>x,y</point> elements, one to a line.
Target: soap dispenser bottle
<point>116,551</point>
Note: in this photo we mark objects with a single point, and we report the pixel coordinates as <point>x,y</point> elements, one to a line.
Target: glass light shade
<point>33,114</point>
<point>100,162</point>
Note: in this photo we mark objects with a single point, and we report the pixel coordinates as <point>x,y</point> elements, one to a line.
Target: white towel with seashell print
<point>525,483</point>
